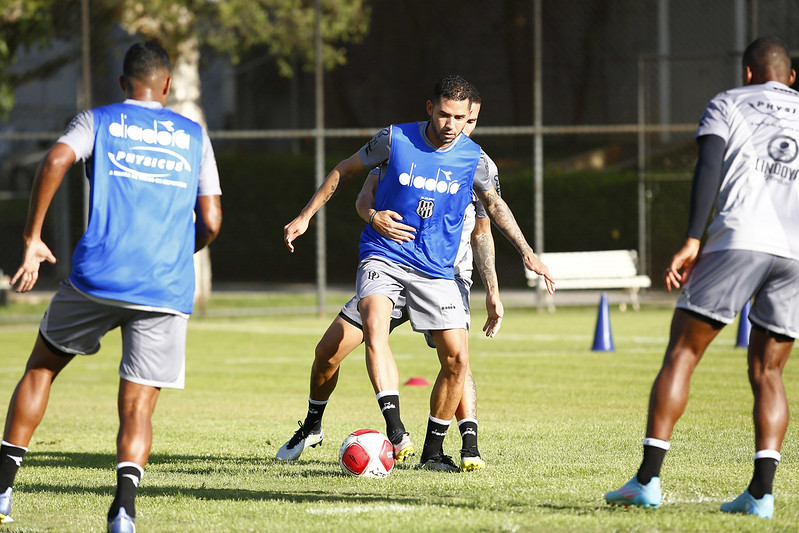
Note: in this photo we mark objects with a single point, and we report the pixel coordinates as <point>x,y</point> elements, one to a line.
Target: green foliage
<point>559,426</point>
<point>286,27</point>
<point>22,23</point>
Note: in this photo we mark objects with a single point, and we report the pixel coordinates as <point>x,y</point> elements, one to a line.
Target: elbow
<point>213,227</point>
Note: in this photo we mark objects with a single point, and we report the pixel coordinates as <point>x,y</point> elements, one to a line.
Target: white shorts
<point>153,343</point>
<point>399,314</point>
<point>431,303</point>
<point>722,282</point>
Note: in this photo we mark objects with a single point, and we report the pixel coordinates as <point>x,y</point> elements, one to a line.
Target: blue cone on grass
<point>603,337</point>
<point>744,328</point>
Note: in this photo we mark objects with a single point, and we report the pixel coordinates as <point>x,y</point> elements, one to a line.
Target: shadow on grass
<point>223,494</point>
<point>200,465</point>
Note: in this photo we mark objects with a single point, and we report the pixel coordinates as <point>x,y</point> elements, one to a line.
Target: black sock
<point>468,429</point>
<point>650,466</point>
<point>763,478</point>
<point>128,477</point>
<point>434,438</point>
<point>313,420</point>
<point>389,406</point>
<point>10,460</point>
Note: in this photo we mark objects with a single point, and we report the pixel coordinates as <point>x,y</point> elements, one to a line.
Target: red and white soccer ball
<point>366,453</point>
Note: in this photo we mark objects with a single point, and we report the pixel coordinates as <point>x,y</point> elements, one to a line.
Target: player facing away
<point>151,172</point>
<point>345,332</point>
<point>748,141</point>
<point>428,171</point>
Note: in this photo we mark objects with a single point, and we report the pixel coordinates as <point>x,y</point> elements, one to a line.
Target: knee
<point>323,356</point>
<point>457,363</point>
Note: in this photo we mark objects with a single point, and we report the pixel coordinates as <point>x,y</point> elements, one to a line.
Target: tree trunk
<point>184,98</point>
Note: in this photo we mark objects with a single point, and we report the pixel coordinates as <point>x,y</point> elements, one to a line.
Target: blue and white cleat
<point>303,438</point>
<point>747,504</point>
<point>5,506</point>
<point>122,523</point>
<point>633,493</point>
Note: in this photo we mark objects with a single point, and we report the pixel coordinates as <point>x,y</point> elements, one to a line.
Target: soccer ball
<point>366,453</point>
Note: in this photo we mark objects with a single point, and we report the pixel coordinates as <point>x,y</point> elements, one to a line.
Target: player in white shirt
<point>748,141</point>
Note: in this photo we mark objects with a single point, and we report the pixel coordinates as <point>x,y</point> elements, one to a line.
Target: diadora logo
<point>387,406</point>
<point>166,136</point>
<point>442,183</point>
<point>156,161</point>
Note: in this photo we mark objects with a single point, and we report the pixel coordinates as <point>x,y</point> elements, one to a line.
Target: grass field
<point>559,426</point>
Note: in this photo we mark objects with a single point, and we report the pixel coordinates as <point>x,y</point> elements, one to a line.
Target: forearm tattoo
<point>485,261</point>
<point>502,217</point>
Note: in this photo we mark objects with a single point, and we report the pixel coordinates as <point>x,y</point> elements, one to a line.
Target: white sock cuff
<point>467,420</point>
<point>134,465</point>
<point>439,421</point>
<point>386,393</point>
<point>6,443</point>
<point>657,443</point>
<point>317,402</point>
<point>768,454</point>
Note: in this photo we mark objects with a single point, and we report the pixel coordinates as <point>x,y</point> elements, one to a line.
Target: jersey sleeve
<point>79,135</point>
<point>209,173</point>
<point>705,184</point>
<point>714,119</point>
<point>488,176</point>
<point>376,151</point>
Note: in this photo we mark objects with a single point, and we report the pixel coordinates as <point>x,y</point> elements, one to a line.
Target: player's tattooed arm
<point>484,254</point>
<point>342,173</point>
<point>209,220</point>
<point>485,260</point>
<point>503,218</point>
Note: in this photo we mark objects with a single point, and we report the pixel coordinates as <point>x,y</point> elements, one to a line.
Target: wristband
<point>371,218</point>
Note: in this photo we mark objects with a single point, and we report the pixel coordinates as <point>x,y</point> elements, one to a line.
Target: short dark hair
<point>142,59</point>
<point>767,52</point>
<point>454,87</point>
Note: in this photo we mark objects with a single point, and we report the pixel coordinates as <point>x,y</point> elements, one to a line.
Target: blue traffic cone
<point>603,337</point>
<point>744,328</point>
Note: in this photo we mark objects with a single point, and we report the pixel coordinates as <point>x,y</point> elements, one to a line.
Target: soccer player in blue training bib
<point>748,140</point>
<point>151,172</point>
<point>427,173</point>
<point>345,333</point>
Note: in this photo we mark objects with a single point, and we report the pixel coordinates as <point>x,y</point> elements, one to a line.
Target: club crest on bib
<point>425,208</point>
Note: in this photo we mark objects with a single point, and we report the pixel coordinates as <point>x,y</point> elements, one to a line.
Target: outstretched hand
<point>531,262</point>
<point>36,252</point>
<point>387,223</point>
<point>684,260</point>
<point>294,229</point>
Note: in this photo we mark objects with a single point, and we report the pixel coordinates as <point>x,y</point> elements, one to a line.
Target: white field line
<point>361,509</point>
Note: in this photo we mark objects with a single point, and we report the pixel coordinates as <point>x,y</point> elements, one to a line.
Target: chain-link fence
<point>622,84</point>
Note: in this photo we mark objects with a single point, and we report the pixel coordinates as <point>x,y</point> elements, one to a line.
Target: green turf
<point>559,426</point>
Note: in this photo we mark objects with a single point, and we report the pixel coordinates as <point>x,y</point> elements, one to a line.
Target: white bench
<point>606,269</point>
<point>4,288</point>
